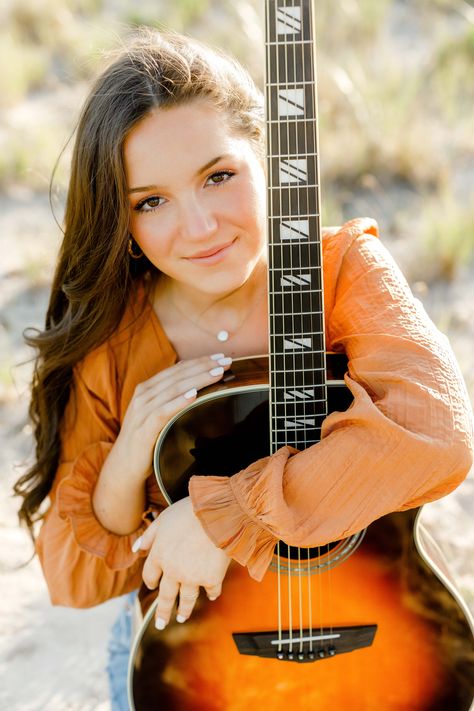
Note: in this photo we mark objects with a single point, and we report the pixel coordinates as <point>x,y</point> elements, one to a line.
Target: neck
<point>224,309</point>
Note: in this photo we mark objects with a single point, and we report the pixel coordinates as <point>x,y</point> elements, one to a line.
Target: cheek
<point>253,209</point>
<point>150,234</point>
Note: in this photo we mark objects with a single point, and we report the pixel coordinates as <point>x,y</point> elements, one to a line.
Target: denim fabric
<point>118,651</point>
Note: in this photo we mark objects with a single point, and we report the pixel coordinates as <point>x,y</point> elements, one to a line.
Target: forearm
<point>119,495</point>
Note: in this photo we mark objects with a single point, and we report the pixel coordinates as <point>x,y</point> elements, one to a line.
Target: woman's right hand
<point>157,400</point>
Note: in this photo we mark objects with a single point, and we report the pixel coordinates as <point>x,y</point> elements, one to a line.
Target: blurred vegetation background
<point>395,99</point>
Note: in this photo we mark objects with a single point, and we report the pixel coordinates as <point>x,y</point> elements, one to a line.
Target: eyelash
<point>139,207</point>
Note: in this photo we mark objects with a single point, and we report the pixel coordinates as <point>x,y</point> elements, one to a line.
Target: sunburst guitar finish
<point>389,583</point>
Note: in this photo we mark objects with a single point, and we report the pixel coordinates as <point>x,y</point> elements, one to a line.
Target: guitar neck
<point>298,395</point>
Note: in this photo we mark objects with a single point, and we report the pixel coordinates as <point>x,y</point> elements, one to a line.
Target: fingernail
<point>217,356</point>
<point>212,599</point>
<point>137,544</point>
<point>189,394</point>
<point>160,624</point>
<point>225,361</point>
<point>180,618</point>
<point>216,371</point>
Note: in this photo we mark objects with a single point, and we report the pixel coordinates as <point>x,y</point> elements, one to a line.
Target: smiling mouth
<point>211,255</point>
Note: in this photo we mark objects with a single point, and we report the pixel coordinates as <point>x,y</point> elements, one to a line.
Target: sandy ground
<point>54,658</point>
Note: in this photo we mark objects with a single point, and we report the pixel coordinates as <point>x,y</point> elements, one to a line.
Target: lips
<point>213,256</point>
<point>210,252</point>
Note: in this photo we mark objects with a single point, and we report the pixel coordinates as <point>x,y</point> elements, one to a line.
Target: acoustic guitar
<point>370,622</point>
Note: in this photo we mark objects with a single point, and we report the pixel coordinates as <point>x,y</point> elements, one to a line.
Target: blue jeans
<point>118,651</point>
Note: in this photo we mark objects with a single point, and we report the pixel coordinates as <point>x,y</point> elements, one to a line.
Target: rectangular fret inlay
<point>291,102</point>
<point>294,170</point>
<point>305,394</point>
<point>288,20</point>
<point>295,344</point>
<point>300,422</point>
<point>294,230</point>
<point>296,279</point>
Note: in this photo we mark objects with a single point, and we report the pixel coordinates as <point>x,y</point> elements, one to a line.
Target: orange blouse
<point>405,440</point>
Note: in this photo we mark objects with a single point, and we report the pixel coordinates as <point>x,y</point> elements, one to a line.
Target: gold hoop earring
<point>133,254</point>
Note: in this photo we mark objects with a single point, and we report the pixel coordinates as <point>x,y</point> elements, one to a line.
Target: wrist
<point>118,499</point>
<point>136,465</point>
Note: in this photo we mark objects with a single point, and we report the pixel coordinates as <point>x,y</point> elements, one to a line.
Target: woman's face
<point>197,197</point>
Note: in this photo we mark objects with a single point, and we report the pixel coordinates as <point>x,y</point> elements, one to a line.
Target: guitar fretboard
<point>297,348</point>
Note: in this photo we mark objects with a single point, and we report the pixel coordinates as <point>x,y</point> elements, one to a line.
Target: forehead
<point>190,132</point>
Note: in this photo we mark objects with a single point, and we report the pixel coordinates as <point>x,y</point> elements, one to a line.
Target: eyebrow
<point>145,188</point>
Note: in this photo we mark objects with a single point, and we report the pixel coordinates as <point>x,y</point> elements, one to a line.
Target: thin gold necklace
<point>223,334</point>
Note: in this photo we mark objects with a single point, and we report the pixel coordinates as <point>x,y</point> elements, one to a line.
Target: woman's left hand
<point>181,559</point>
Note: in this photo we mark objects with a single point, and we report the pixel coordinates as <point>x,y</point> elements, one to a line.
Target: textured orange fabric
<point>406,439</point>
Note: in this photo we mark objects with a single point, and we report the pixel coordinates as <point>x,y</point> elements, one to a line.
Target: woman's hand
<point>181,559</point>
<point>119,496</point>
<point>157,400</point>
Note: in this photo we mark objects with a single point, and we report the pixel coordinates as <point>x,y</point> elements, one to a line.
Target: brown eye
<point>221,177</point>
<point>149,204</point>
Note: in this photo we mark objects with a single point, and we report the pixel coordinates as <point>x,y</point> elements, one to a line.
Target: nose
<point>198,221</point>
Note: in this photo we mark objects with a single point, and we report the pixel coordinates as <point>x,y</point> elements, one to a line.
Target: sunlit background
<point>396,90</point>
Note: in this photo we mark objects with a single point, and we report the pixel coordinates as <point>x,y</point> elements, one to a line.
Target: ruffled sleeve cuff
<point>74,501</point>
<point>228,509</point>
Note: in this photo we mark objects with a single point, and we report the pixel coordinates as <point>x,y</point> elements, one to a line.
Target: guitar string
<point>315,247</point>
<point>309,294</point>
<point>329,573</point>
<point>280,176</point>
<point>298,190</point>
<point>322,343</point>
<point>271,248</point>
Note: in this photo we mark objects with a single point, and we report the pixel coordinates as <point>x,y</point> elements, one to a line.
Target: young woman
<point>160,282</point>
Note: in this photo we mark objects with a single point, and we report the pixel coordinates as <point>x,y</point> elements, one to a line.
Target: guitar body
<point>422,653</point>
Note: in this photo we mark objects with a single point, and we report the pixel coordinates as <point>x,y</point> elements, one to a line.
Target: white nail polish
<point>189,394</point>
<point>224,361</point>
<point>160,624</point>
<point>180,618</point>
<point>137,544</point>
<point>216,371</point>
<point>217,356</point>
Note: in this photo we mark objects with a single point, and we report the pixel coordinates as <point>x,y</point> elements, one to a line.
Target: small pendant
<point>223,336</point>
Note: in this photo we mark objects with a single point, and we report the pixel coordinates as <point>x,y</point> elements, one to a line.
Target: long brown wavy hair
<point>152,70</point>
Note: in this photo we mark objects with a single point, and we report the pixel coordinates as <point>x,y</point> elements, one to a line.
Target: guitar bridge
<point>305,645</point>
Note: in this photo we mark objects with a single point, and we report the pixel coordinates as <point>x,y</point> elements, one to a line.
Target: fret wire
<point>294,119</point>
<point>291,42</point>
<point>296,84</point>
<point>297,291</point>
<point>282,403</point>
<point>299,353</point>
<point>295,187</point>
<point>298,313</point>
<point>291,430</point>
<point>300,370</point>
<point>285,216</point>
<point>292,155</point>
